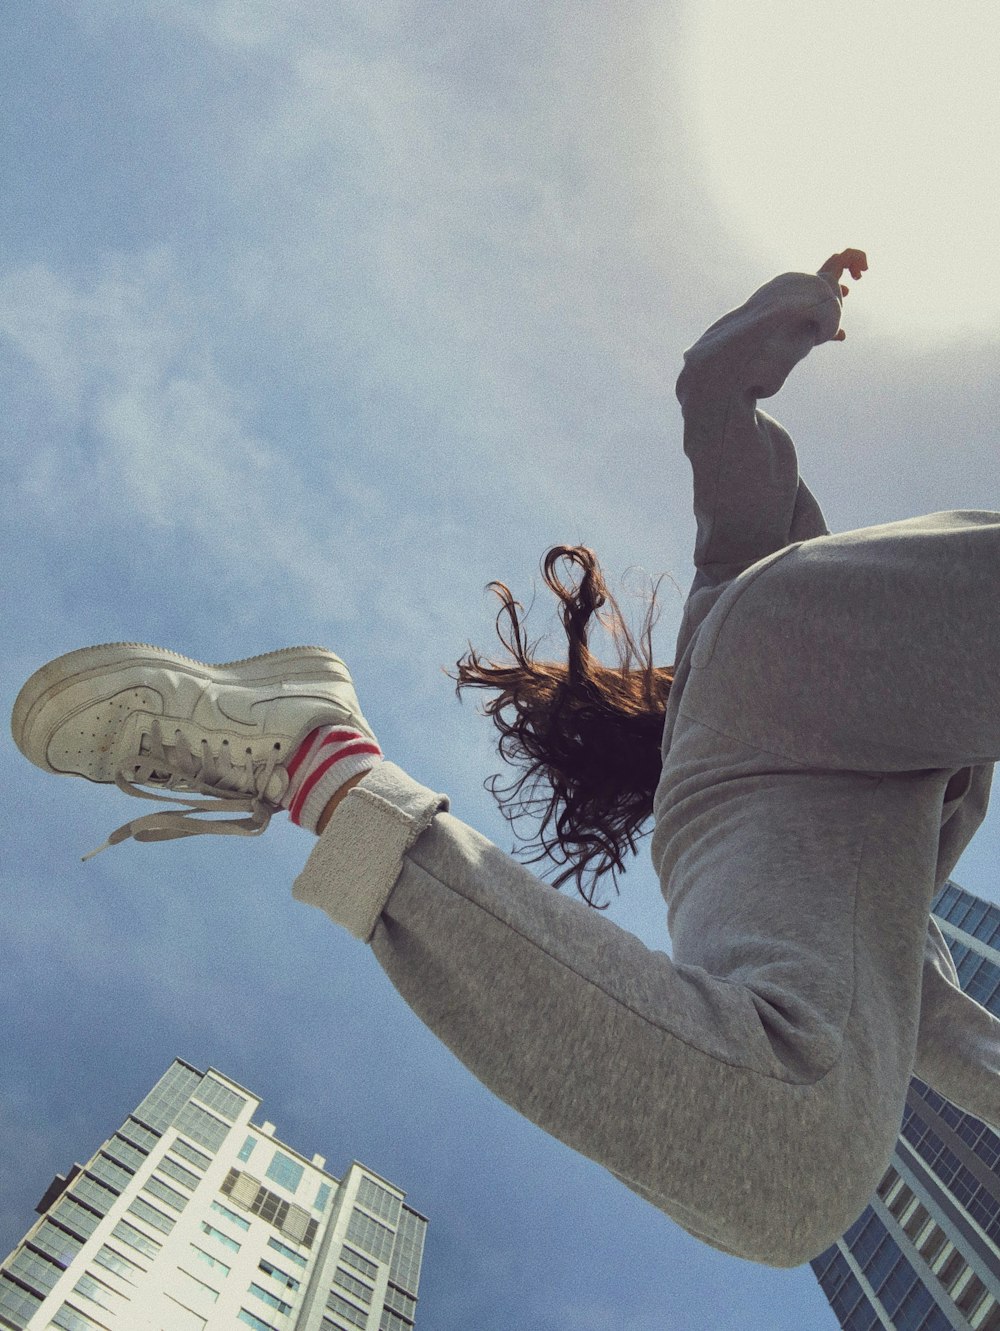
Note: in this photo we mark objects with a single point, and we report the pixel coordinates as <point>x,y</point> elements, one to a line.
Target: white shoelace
<point>237,787</point>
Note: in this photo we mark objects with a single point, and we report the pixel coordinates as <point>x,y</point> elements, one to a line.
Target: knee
<point>787,1216</point>
<point>773,1240</point>
<point>786,1250</point>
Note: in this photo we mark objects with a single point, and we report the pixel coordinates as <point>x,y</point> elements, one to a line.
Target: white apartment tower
<point>191,1217</point>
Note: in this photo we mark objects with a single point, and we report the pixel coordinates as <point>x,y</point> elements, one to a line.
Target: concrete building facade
<point>192,1217</point>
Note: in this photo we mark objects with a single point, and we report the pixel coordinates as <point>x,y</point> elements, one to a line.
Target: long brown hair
<point>590,733</point>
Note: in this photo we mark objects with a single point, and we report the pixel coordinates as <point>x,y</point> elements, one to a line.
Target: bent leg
<point>658,1071</point>
<point>875,650</point>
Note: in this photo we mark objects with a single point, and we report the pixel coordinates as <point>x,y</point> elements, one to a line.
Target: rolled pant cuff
<point>355,863</point>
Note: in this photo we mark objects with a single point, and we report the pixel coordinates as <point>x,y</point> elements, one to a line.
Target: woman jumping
<point>815,762</point>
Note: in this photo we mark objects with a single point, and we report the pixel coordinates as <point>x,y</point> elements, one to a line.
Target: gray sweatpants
<point>828,753</point>
<point>654,1067</point>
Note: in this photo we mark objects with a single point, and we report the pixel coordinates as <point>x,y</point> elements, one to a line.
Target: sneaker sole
<point>28,726</point>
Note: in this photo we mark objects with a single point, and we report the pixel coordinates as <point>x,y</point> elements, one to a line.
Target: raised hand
<point>853,261</point>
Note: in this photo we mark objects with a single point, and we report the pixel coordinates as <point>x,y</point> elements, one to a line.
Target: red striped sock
<point>321,764</point>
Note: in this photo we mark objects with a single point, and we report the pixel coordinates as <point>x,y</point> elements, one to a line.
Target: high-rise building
<point>925,1255</point>
<point>192,1217</point>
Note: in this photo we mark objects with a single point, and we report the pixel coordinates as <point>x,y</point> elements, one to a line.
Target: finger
<point>840,336</point>
<point>844,291</point>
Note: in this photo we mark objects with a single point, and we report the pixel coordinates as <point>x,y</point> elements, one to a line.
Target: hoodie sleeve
<point>749,500</point>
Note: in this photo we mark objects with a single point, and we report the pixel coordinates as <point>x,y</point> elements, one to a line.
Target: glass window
<point>970,1130</point>
<point>96,1195</point>
<point>35,1269</point>
<point>75,1217</point>
<point>104,1168</point>
<point>56,1243</point>
<point>152,1215</point>
<point>984,989</point>
<point>846,1298</point>
<point>362,1264</point>
<point>937,1320</point>
<point>353,1285</point>
<point>882,1262</point>
<point>201,1126</point>
<point>408,1251</point>
<point>100,1294</point>
<point>916,1221</point>
<point>951,1270</point>
<point>270,1299</point>
<point>968,966</point>
<point>285,1171</point>
<point>979,912</point>
<point>988,1147</point>
<point>251,1319</point>
<point>170,1196</point>
<point>246,1150</point>
<point>209,1260</point>
<point>378,1200</point>
<point>899,1201</point>
<point>983,982</point>
<point>69,1318</point>
<point>160,1106</point>
<point>276,1273</point>
<point>403,1303</point>
<point>288,1252</point>
<point>138,1135</point>
<point>923,1235</point>
<point>984,1209</point>
<point>220,1098</point>
<point>901,1280</point>
<point>219,1237</point>
<point>390,1321</point>
<point>231,1216</point>
<point>233,1177</point>
<point>121,1266</point>
<point>188,1153</point>
<point>135,1238</point>
<point>16,1302</point>
<point>178,1173</point>
<point>889,1179</point>
<point>931,1247</point>
<point>124,1152</point>
<point>270,1207</point>
<point>914,1307</point>
<point>971,1296</point>
<point>370,1235</point>
<point>322,1196</point>
<point>946,898</point>
<point>947,1248</point>
<point>346,1310</point>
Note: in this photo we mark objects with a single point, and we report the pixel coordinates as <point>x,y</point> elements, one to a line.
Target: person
<point>828,734</point>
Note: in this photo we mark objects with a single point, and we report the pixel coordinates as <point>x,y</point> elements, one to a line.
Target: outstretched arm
<point>749,500</point>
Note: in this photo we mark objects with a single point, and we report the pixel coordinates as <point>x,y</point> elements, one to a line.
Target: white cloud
<point>158,438</point>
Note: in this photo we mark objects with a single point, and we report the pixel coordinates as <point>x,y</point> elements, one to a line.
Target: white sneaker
<point>131,715</point>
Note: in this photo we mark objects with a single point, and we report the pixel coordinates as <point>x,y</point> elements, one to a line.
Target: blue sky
<point>314,319</point>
